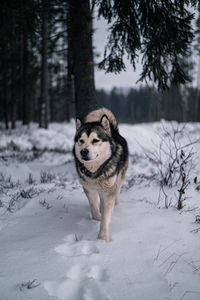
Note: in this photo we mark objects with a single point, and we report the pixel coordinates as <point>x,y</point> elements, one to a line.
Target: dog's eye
<point>94,141</point>
<point>81,141</point>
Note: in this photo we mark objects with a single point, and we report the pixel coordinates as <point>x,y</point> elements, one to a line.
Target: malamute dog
<point>101,157</point>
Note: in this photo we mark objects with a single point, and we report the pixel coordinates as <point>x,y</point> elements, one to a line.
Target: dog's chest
<point>100,184</point>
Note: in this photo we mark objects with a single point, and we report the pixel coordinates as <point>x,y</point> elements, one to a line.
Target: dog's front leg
<point>107,204</point>
<point>92,196</point>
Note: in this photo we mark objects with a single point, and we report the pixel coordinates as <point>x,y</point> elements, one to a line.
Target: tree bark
<point>13,97</point>
<point>4,70</point>
<point>69,97</point>
<point>44,95</point>
<point>5,100</point>
<point>80,20</point>
<point>197,98</point>
<point>70,82</point>
<point>13,80</point>
<point>25,103</point>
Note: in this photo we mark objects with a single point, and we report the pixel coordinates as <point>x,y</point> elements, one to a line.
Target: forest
<point>146,104</point>
<point>44,76</point>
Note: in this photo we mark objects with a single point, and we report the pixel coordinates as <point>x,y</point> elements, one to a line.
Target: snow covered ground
<point>48,242</point>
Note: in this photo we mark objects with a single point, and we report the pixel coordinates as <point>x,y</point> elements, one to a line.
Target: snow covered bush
<point>58,138</point>
<point>46,176</point>
<point>173,158</point>
<point>6,183</point>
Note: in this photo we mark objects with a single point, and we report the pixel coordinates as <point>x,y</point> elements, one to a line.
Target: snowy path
<point>152,254</point>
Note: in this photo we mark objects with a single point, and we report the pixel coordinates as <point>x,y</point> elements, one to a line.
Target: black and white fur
<point>101,158</point>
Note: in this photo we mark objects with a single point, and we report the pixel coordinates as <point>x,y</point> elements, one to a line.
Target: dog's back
<point>96,115</point>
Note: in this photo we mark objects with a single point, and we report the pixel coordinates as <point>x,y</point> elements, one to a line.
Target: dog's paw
<point>96,217</point>
<point>104,236</point>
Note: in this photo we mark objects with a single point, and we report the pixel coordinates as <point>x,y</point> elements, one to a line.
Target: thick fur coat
<point>101,158</point>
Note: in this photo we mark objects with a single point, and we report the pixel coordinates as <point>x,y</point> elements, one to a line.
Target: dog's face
<point>92,142</point>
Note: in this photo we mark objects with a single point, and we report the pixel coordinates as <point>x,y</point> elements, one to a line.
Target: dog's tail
<point>96,116</point>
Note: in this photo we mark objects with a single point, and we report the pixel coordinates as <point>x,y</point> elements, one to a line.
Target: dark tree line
<point>46,53</point>
<point>147,104</point>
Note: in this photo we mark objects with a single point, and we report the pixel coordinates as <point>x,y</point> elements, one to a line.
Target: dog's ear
<point>78,123</point>
<point>105,124</point>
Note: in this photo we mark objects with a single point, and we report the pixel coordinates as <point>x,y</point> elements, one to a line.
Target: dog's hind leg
<point>120,182</point>
<point>92,196</point>
<point>107,203</point>
<point>117,194</point>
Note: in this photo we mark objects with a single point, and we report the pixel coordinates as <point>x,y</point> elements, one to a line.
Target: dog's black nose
<point>84,153</point>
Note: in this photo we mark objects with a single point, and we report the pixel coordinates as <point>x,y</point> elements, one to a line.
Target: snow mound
<point>58,138</point>
<point>49,139</point>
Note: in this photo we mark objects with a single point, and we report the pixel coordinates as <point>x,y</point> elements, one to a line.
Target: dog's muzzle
<point>84,154</point>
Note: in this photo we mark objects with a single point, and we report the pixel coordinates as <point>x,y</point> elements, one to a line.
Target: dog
<point>101,159</point>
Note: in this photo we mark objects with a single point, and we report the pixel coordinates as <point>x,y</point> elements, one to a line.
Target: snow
<point>56,138</point>
<point>48,241</point>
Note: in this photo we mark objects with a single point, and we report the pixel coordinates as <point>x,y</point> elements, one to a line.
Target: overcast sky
<point>108,81</point>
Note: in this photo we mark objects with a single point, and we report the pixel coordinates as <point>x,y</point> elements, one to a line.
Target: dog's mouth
<point>87,159</point>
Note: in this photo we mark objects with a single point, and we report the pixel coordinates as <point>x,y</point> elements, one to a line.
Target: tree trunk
<point>25,103</point>
<point>80,19</point>
<point>197,98</point>
<point>44,96</point>
<point>4,70</point>
<point>5,100</point>
<point>69,83</point>
<point>69,97</point>
<point>13,80</point>
<point>13,96</point>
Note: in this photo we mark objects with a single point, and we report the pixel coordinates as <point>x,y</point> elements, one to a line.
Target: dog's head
<point>92,141</point>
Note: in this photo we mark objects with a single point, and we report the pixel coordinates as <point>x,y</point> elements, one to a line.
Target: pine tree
<point>159,30</point>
